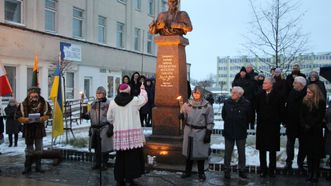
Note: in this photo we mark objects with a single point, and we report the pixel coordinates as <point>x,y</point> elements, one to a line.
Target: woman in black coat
<point>146,110</point>
<point>12,125</point>
<point>311,117</point>
<point>270,109</point>
<point>135,84</point>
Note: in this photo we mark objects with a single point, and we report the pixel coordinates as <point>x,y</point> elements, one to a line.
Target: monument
<point>171,82</point>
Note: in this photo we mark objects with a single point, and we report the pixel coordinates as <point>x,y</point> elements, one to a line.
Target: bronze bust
<point>171,22</point>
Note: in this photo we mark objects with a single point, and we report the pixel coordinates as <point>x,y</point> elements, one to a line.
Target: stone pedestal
<point>171,82</point>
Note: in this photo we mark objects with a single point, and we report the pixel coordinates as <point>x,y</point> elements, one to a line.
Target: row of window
<point>267,68</point>
<point>13,14</point>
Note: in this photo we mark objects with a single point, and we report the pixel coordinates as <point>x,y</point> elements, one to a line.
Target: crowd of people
<point>257,101</point>
<point>297,103</point>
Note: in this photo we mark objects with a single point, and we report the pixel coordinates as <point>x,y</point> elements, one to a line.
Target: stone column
<point>43,80</point>
<point>171,81</point>
<point>21,82</point>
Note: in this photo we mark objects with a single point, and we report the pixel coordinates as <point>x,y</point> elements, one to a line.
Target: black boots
<point>186,174</point>
<point>202,177</point>
<point>27,165</point>
<point>243,175</point>
<point>38,166</point>
<point>227,174</point>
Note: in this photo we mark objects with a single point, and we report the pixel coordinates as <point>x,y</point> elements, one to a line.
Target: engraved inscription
<point>167,71</point>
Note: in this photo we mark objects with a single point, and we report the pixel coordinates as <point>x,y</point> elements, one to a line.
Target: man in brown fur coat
<point>34,131</point>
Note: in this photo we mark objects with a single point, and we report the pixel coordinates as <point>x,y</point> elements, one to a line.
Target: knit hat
<point>102,90</point>
<point>278,71</point>
<point>243,69</point>
<point>198,89</point>
<point>124,88</point>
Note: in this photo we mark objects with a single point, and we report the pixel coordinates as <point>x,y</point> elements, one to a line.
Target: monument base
<point>166,149</point>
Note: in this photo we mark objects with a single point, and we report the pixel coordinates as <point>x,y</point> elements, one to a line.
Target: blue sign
<point>70,52</point>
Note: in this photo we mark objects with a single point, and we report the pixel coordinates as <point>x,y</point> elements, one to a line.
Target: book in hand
<point>34,118</point>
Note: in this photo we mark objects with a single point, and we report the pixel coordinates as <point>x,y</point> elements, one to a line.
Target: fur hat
<point>34,90</point>
<point>124,88</point>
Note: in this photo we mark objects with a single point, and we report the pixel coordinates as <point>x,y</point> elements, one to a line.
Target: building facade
<point>228,67</point>
<point>100,41</point>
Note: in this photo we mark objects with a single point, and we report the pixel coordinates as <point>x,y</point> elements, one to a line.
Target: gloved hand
<point>181,116</point>
<point>23,120</point>
<point>206,139</point>
<point>43,118</point>
<point>110,131</point>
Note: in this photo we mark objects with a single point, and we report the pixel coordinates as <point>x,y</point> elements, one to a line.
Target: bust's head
<point>173,5</point>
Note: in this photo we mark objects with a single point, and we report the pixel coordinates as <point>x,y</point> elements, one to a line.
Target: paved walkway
<point>80,173</point>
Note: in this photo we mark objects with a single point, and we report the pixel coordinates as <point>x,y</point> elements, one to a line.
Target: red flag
<point>5,87</point>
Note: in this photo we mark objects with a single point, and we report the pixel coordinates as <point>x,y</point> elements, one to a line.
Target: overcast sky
<point>219,26</point>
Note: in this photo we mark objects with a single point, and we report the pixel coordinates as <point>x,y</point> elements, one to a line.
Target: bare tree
<point>276,33</point>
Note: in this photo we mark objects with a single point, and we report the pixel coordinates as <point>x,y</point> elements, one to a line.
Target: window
<point>70,79</point>
<point>150,7</point>
<point>164,5</point>
<point>137,4</point>
<point>149,43</point>
<point>120,35</point>
<point>77,23</point>
<point>101,29</point>
<point>13,11</point>
<point>110,86</point>
<point>137,38</point>
<point>50,11</point>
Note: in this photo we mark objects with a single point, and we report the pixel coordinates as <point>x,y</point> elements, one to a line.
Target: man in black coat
<point>292,122</point>
<point>280,84</point>
<point>295,73</point>
<point>269,108</point>
<point>236,114</point>
<point>250,72</point>
<point>250,87</point>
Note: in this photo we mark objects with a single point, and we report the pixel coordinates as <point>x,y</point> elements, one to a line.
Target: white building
<point>103,40</point>
<point>228,67</point>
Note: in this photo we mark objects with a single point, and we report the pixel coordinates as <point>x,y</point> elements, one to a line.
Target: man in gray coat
<point>100,127</point>
<point>198,115</point>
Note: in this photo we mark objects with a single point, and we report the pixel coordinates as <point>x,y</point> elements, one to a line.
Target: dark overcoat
<point>312,135</point>
<point>270,109</point>
<point>236,117</point>
<point>292,112</point>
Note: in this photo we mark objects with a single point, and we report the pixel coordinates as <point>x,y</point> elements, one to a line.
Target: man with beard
<point>173,22</point>
<point>295,73</point>
<point>292,122</point>
<point>34,131</point>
